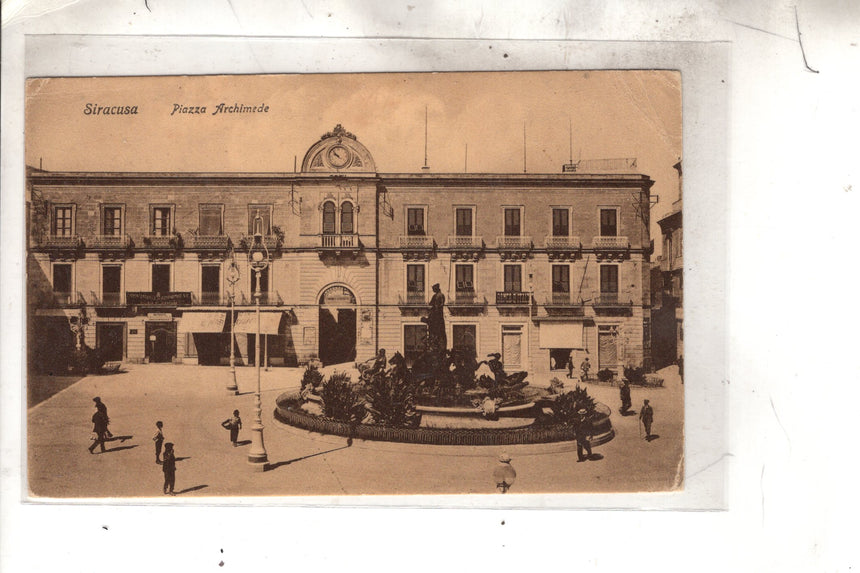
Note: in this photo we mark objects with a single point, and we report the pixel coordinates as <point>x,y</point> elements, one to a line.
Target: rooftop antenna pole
<point>466,160</point>
<point>524,147</point>
<point>40,164</point>
<point>295,159</point>
<point>570,131</point>
<point>426,167</point>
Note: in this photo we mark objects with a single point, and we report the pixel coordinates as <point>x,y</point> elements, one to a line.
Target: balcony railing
<point>416,242</point>
<point>465,297</point>
<point>268,298</point>
<point>339,241</point>
<point>149,298</point>
<point>611,300</point>
<point>57,242</point>
<point>508,298</point>
<point>563,243</point>
<point>515,243</point>
<point>461,242</point>
<point>412,299</point>
<point>67,299</point>
<point>108,299</point>
<point>611,242</point>
<point>563,299</point>
<point>213,298</point>
<point>208,242</point>
<point>160,241</point>
<point>110,242</point>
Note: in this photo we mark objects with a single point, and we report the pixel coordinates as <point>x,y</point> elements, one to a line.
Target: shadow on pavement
<point>40,387</point>
<point>652,437</point>
<point>595,457</point>
<point>190,489</point>
<point>628,413</point>
<point>114,438</point>
<point>120,448</point>
<point>243,442</point>
<point>183,458</point>
<point>288,462</point>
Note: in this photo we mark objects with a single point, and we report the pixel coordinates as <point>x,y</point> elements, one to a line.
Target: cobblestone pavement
<point>192,401</point>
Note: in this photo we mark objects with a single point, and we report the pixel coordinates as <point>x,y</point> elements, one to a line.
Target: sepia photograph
<point>354,284</point>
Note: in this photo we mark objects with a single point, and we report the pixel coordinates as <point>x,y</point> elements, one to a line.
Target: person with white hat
<point>583,435</point>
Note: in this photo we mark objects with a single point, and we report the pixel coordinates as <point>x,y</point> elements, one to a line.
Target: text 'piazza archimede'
<point>221,108</point>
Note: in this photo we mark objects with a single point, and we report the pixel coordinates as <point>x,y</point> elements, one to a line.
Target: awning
<point>561,335</point>
<point>197,322</point>
<point>246,322</point>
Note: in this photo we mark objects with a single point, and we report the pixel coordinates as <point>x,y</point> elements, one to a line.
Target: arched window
<point>328,227</point>
<point>346,224</point>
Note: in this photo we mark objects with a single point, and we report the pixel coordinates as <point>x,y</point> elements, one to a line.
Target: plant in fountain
<point>565,408</point>
<point>391,398</point>
<point>340,400</point>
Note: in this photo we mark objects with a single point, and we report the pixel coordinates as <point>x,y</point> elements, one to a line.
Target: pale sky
<point>612,114</point>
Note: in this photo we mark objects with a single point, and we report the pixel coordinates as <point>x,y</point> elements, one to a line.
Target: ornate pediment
<point>338,151</point>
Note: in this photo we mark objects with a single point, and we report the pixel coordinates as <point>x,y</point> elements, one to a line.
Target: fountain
<point>444,397</point>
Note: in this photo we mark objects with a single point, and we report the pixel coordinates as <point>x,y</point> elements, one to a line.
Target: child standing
<point>158,438</point>
<point>234,424</point>
<point>168,466</point>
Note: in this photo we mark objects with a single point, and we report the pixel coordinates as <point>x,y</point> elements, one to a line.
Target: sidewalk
<point>192,401</point>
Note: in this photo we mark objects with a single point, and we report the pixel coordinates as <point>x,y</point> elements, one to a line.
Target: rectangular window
<point>62,221</point>
<point>608,223</point>
<point>415,282</point>
<point>210,220</point>
<point>512,222</point>
<point>415,221</point>
<point>560,222</point>
<point>111,284</point>
<point>413,341</point>
<point>560,279</point>
<point>210,284</point>
<point>63,283</point>
<point>512,355</point>
<point>513,278</point>
<point>160,278</point>
<point>464,337</point>
<point>161,225</point>
<point>608,279</point>
<point>265,214</point>
<point>112,221</point>
<point>464,275</point>
<point>463,223</point>
<point>347,215</point>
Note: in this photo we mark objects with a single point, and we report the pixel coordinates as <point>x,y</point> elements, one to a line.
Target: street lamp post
<point>232,278</point>
<point>258,256</point>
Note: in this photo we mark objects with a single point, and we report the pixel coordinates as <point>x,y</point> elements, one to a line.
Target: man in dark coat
<point>626,403</point>
<point>646,416</point>
<point>168,466</point>
<point>100,422</point>
<point>583,435</point>
<point>103,409</point>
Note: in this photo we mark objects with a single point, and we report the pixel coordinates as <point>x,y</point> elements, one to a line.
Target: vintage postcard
<point>354,284</point>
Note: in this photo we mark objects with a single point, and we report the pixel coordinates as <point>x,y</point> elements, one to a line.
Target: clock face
<point>339,156</point>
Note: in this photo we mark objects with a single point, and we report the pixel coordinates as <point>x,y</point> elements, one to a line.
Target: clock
<point>338,156</point>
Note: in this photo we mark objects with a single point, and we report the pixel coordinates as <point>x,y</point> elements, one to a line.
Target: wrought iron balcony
<point>611,243</point>
<point>213,298</point>
<point>412,299</point>
<point>149,298</point>
<point>563,243</point>
<point>208,242</point>
<point>66,299</point>
<point>518,243</point>
<point>509,298</point>
<point>107,299</point>
<point>267,298</point>
<point>272,242</point>
<point>111,242</point>
<point>611,300</point>
<point>466,298</point>
<point>416,242</point>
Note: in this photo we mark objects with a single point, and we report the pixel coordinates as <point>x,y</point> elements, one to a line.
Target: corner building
<point>542,268</point>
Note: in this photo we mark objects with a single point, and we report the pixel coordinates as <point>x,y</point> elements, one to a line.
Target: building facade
<point>668,287</point>
<point>542,268</point>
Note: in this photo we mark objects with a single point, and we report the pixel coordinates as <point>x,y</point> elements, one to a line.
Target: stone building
<point>668,287</point>
<point>542,268</point>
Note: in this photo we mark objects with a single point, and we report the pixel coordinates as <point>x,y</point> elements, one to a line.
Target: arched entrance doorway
<point>337,325</point>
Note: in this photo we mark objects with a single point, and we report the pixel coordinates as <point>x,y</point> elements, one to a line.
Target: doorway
<point>160,341</point>
<point>109,340</point>
<point>337,335</point>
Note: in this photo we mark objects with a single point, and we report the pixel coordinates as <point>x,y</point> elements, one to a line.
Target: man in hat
<point>646,416</point>
<point>585,367</point>
<point>583,432</point>
<point>103,409</point>
<point>100,422</point>
<point>625,397</point>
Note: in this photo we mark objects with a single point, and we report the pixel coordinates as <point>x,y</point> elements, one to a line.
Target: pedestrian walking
<point>168,466</point>
<point>158,438</point>
<point>100,422</point>
<point>583,434</point>
<point>585,367</point>
<point>103,409</point>
<point>234,424</point>
<point>625,397</point>
<point>681,368</point>
<point>570,366</point>
<point>646,416</point>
